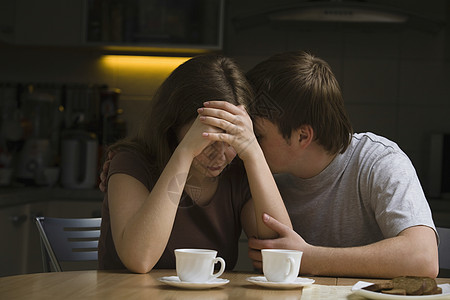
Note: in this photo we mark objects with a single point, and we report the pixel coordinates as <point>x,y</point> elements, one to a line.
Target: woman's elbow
<point>140,267</point>
<point>138,262</point>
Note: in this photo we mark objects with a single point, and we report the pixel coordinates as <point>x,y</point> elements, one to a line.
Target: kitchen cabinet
<point>49,23</point>
<point>156,25</point>
<point>195,24</point>
<point>6,19</point>
<point>14,230</point>
<point>32,256</point>
<point>20,248</point>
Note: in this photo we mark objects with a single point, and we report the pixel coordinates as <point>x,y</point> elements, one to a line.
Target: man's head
<point>295,89</point>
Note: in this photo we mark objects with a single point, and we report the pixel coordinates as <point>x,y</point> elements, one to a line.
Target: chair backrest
<point>69,239</point>
<point>444,247</point>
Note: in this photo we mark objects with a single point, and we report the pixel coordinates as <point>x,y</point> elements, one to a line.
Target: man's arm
<point>412,252</point>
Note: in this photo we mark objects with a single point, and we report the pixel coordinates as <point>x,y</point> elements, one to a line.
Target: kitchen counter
<point>19,205</point>
<point>11,196</point>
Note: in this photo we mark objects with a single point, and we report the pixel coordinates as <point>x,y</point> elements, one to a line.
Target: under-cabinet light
<point>153,63</point>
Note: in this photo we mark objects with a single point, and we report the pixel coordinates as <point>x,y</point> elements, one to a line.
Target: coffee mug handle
<point>291,269</point>
<point>222,266</point>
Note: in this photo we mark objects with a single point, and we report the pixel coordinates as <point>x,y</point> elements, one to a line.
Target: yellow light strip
<point>160,49</point>
<point>142,63</point>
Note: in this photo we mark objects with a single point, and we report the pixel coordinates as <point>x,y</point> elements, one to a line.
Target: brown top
<point>216,225</point>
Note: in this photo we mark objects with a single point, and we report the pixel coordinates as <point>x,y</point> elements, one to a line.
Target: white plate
<point>357,289</point>
<point>175,281</point>
<point>298,282</point>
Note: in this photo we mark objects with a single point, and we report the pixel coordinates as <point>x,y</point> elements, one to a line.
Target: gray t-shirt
<point>369,193</point>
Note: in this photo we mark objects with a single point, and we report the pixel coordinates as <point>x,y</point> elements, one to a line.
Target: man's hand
<point>287,239</point>
<point>104,174</point>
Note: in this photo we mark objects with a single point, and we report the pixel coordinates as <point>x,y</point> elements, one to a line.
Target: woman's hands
<point>234,122</point>
<point>191,139</point>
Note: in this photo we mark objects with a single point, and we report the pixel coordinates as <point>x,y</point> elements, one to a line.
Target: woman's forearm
<point>265,194</point>
<point>141,222</point>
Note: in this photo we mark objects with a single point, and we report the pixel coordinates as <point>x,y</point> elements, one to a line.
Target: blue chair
<point>68,240</point>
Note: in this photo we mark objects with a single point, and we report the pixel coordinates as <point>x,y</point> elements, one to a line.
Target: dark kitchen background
<point>77,75</point>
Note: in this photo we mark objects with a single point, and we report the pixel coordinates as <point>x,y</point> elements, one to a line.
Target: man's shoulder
<point>369,141</point>
<point>371,150</point>
<point>370,137</point>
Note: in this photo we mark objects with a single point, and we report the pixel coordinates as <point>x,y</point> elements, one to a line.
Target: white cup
<point>280,265</point>
<point>197,265</point>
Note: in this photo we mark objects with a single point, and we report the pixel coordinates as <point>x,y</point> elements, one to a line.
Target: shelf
<point>158,26</point>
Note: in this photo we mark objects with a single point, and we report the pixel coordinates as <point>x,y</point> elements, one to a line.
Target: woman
<point>177,183</point>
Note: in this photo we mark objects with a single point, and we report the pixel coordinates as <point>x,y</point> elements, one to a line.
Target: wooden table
<point>124,285</point>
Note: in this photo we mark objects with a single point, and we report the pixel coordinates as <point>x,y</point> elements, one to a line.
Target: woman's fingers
<point>233,120</point>
<point>225,120</point>
<point>219,123</point>
<point>223,110</point>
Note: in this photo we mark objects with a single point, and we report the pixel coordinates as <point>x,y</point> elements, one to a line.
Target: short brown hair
<point>296,88</point>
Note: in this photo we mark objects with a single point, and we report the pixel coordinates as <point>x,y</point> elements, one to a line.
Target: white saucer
<point>357,289</point>
<point>298,282</point>
<point>175,281</point>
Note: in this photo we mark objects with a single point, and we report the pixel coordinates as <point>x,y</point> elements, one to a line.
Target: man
<point>355,202</point>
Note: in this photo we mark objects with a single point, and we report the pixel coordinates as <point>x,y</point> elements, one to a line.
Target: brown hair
<point>202,78</point>
<point>296,88</point>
